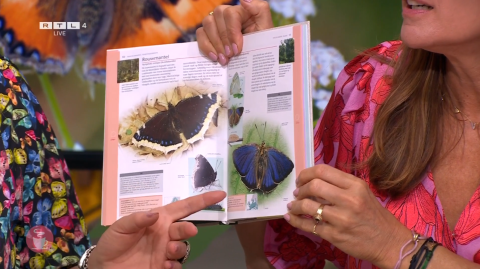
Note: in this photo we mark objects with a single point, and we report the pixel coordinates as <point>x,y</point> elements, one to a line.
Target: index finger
<point>186,207</point>
<point>326,173</point>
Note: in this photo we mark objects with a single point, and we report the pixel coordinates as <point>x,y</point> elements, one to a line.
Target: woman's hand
<point>151,239</point>
<point>221,36</point>
<point>354,221</point>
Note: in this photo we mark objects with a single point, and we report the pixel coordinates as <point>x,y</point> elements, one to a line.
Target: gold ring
<point>315,228</point>
<point>184,259</point>
<point>319,217</point>
<point>211,13</point>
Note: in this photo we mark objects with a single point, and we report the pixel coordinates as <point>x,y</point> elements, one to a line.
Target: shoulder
<point>360,88</point>
<point>368,75</point>
<point>10,74</point>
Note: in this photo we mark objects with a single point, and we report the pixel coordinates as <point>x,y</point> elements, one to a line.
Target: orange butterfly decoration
<point>104,24</point>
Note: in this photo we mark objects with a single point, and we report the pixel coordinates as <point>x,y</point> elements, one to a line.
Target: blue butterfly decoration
<point>28,105</point>
<point>29,93</point>
<point>261,167</point>
<point>6,136</point>
<point>28,184</point>
<point>5,225</point>
<point>43,216</point>
<point>79,249</point>
<point>33,162</point>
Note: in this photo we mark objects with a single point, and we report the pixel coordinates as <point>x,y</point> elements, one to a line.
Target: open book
<point>178,124</point>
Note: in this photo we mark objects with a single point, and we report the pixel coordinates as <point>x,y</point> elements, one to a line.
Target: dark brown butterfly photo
<point>234,115</point>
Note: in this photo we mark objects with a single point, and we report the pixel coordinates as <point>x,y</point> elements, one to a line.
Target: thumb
<point>135,222</point>
<point>249,16</point>
<point>259,11</point>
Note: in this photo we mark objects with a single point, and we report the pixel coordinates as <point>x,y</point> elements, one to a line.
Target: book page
<point>166,129</point>
<point>268,85</point>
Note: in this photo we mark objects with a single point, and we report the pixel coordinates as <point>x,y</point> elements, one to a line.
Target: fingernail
<point>212,56</point>
<point>227,50</point>
<point>151,214</point>
<point>295,192</point>
<point>286,216</point>
<point>235,49</point>
<point>222,60</point>
<point>168,265</point>
<point>248,1</point>
<point>289,205</point>
<point>296,180</point>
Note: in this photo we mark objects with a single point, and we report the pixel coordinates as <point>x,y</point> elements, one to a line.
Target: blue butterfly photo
<point>261,167</point>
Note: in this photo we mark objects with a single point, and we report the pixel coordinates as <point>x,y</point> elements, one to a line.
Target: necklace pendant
<point>474,125</point>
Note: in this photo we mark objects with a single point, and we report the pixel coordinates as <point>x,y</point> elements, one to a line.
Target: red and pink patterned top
<point>341,137</point>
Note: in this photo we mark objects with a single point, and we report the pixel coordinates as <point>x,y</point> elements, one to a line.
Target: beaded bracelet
<point>415,239</point>
<point>421,259</point>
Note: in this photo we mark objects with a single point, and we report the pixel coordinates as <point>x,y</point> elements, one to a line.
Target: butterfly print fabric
<point>340,140</point>
<point>37,190</point>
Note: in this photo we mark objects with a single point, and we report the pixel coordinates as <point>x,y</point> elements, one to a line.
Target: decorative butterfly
<point>185,122</point>
<point>234,115</point>
<point>235,87</point>
<point>204,175</point>
<point>104,24</point>
<point>261,167</point>
<point>43,216</point>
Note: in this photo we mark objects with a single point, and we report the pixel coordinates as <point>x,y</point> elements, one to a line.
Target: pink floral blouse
<point>341,137</point>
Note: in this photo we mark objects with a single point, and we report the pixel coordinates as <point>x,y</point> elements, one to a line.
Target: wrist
<point>392,250</point>
<point>90,259</point>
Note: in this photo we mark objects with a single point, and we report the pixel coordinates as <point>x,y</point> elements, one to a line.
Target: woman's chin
<point>413,40</point>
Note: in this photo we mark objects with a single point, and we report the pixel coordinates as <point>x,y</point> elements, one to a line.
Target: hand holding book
<point>221,36</point>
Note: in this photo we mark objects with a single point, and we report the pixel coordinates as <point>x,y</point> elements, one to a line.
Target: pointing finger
<point>186,207</point>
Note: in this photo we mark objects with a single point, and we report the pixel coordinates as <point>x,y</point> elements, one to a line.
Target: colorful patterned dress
<point>41,223</point>
<point>341,137</point>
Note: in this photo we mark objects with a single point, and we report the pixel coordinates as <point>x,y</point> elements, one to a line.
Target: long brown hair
<point>407,127</point>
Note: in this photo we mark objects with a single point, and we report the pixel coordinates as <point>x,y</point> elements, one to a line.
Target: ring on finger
<point>319,217</point>
<point>315,227</point>
<point>211,13</point>
<point>184,259</point>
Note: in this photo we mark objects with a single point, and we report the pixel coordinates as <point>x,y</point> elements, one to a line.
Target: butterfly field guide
<point>178,124</point>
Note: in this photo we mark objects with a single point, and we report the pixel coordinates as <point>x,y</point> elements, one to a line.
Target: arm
<point>442,257</point>
<point>40,190</point>
<point>251,238</point>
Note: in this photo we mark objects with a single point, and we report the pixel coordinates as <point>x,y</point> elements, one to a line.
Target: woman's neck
<point>463,79</point>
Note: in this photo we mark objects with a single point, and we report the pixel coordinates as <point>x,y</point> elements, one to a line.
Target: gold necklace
<point>472,123</point>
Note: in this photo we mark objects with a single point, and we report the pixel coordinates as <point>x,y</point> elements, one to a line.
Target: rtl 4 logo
<point>59,26</point>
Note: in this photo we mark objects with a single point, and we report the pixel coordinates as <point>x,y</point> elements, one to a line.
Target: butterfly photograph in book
<point>235,127</point>
<point>237,86</point>
<point>261,164</point>
<point>172,121</point>
<point>252,201</point>
<point>206,174</point>
<point>234,115</point>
